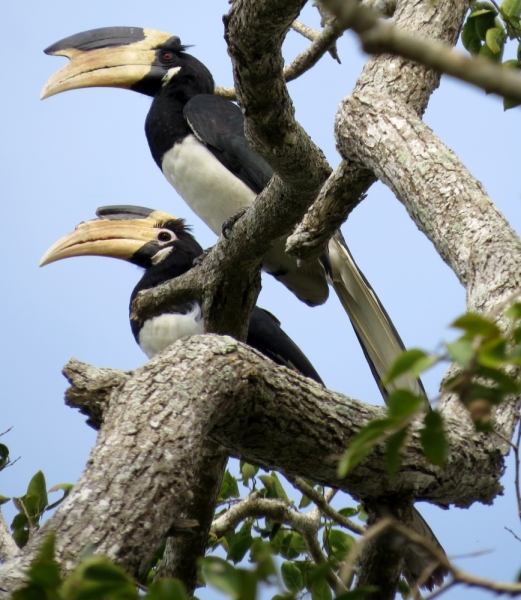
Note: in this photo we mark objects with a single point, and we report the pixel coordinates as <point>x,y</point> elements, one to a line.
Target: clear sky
<point>62,158</point>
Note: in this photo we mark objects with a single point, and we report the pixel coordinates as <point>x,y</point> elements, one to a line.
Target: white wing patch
<point>160,332</point>
<point>209,189</point>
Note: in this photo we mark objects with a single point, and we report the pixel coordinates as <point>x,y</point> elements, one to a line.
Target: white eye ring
<point>164,236</point>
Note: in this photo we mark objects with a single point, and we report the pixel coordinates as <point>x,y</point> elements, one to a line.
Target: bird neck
<point>165,124</point>
<point>177,263</point>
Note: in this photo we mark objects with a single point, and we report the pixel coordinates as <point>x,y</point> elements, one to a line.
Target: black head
<point>134,58</point>
<point>151,239</point>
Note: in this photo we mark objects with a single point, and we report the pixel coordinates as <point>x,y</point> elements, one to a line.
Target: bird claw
<point>198,261</point>
<point>230,221</point>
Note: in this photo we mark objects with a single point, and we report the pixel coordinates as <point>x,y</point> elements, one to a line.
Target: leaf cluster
<point>32,505</point>
<point>488,362</point>
<point>95,578</point>
<point>487,30</point>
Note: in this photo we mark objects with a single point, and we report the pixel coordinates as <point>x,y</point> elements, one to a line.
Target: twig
<point>458,576</point>
<point>324,505</point>
<point>515,535</point>
<point>378,37</point>
<point>305,61</point>
<point>278,510</point>
<point>517,462</point>
<point>303,29</point>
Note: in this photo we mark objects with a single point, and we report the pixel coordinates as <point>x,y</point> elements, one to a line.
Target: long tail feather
<point>381,345</point>
<point>375,331</point>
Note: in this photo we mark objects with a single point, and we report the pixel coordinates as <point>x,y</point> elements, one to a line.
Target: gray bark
<point>137,485</point>
<point>145,475</point>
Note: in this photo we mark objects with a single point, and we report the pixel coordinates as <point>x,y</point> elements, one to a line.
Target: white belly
<point>160,332</point>
<point>209,189</point>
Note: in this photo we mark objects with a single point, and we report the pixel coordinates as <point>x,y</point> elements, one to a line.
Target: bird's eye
<point>164,236</point>
<point>167,56</point>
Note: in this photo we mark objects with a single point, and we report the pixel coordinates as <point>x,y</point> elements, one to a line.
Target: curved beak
<point>108,57</point>
<point>116,235</point>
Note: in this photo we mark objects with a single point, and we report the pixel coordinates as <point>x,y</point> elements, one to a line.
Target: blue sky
<point>62,158</point>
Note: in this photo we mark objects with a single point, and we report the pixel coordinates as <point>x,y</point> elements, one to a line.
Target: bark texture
<point>158,459</point>
<point>138,484</point>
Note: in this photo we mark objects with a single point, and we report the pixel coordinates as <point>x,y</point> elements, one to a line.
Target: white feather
<point>160,332</point>
<point>209,189</point>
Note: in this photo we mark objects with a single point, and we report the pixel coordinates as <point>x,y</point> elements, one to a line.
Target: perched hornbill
<point>165,248</point>
<point>197,140</point>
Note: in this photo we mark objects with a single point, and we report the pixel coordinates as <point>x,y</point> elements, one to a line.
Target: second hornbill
<point>197,140</point>
<point>163,246</point>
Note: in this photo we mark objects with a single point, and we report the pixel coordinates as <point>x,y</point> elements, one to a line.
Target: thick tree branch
<point>128,501</point>
<point>8,548</point>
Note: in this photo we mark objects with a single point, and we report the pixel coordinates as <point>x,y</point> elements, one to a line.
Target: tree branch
<point>458,576</point>
<point>8,547</point>
<point>324,505</point>
<point>305,524</point>
<point>322,42</point>
<point>379,37</point>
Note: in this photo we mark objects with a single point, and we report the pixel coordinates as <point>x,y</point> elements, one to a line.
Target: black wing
<point>219,124</point>
<point>266,336</point>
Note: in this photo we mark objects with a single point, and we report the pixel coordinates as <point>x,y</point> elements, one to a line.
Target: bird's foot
<point>200,259</point>
<point>230,221</point>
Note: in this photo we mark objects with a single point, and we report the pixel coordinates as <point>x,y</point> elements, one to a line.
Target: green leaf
<point>395,445</point>
<point>341,543</point>
<point>404,589</point>
<point>286,548</point>
<point>279,490</point>
<point>166,589</point>
<point>493,352</point>
<point>461,351</point>
<point>4,499</point>
<point>483,21</point>
<point>402,404</point>
<point>474,324</point>
<point>261,554</point>
<point>506,383</point>
<point>495,39</point>
<point>304,501</point>
<point>4,456</point>
<point>274,488</point>
<point>221,575</point>
<point>403,364</point>
<point>248,471</point>
<point>35,500</point>
<point>320,590</point>
<point>470,38</point>
<point>433,440</point>
<point>66,488</point>
<point>241,543</point>
<point>362,444</point>
<point>291,576</point>
<point>349,511</point>
<point>514,311</point>
<point>229,487</point>
<point>511,8</point>
<point>486,52</point>
<point>45,572</point>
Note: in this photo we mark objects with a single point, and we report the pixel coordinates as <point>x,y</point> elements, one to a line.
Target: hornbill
<point>197,140</point>
<point>163,246</point>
